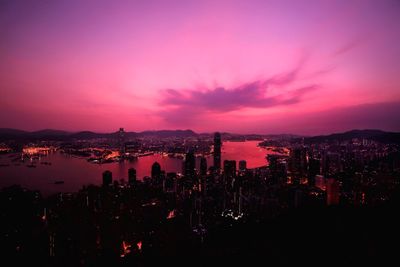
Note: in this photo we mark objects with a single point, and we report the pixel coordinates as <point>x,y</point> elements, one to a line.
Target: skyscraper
<point>203,166</point>
<point>320,182</point>
<point>107,178</point>
<point>217,151</point>
<point>190,164</point>
<point>332,192</point>
<point>278,169</point>
<point>171,182</point>
<point>230,168</point>
<point>132,176</point>
<point>121,140</point>
<point>156,170</point>
<point>242,165</point>
<point>314,166</point>
<point>298,164</point>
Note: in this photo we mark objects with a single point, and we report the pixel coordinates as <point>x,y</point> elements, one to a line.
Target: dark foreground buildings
<point>332,204</point>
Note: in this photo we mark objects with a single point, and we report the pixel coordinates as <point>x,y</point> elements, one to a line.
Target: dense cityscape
<point>314,196</point>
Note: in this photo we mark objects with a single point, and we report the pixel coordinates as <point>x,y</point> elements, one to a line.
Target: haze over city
<point>302,67</point>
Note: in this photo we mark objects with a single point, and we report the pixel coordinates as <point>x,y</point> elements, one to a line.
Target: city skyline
<point>302,67</point>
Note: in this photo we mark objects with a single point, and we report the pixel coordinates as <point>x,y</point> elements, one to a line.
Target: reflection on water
<point>77,172</point>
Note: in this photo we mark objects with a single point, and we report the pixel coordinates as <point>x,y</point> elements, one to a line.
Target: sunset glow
<point>306,67</point>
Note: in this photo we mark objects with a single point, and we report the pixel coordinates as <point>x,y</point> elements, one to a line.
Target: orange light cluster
<point>112,155</point>
<point>35,150</point>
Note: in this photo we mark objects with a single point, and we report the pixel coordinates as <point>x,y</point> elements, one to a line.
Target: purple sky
<point>305,67</point>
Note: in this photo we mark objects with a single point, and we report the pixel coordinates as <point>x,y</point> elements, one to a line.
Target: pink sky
<point>305,67</point>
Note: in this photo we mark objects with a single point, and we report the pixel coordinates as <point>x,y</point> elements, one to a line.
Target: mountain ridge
<point>372,134</point>
<point>52,134</point>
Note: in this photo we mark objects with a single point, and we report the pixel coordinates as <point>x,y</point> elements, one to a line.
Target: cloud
<point>348,46</point>
<point>182,107</point>
<point>220,99</point>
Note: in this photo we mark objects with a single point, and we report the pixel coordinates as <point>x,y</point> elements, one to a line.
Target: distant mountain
<point>376,135</point>
<point>6,131</point>
<point>155,134</point>
<point>89,135</point>
<point>7,134</point>
<point>49,134</point>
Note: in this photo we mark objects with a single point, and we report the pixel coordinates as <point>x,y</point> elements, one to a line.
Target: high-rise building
<point>190,164</point>
<point>282,171</point>
<point>314,169</point>
<point>320,182</point>
<point>203,166</point>
<point>132,176</point>
<point>217,151</point>
<point>278,169</point>
<point>121,140</point>
<point>171,182</point>
<point>242,165</point>
<point>332,192</point>
<point>230,168</point>
<point>298,164</point>
<point>107,178</point>
<point>155,171</point>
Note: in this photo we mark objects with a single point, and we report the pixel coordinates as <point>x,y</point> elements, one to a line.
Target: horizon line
<point>208,132</point>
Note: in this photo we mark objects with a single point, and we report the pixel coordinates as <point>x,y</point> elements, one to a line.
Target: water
<point>76,172</point>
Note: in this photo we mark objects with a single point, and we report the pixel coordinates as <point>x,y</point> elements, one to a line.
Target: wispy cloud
<point>183,105</point>
<point>348,46</point>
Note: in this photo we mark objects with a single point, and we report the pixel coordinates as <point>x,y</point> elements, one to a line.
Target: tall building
<point>332,192</point>
<point>171,182</point>
<point>230,168</point>
<point>314,169</point>
<point>155,170</point>
<point>217,150</point>
<point>278,169</point>
<point>190,164</point>
<point>203,166</point>
<point>320,182</point>
<point>242,165</point>
<point>132,176</point>
<point>157,175</point>
<point>107,178</point>
<point>121,140</point>
<point>298,164</point>
<point>282,171</point>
